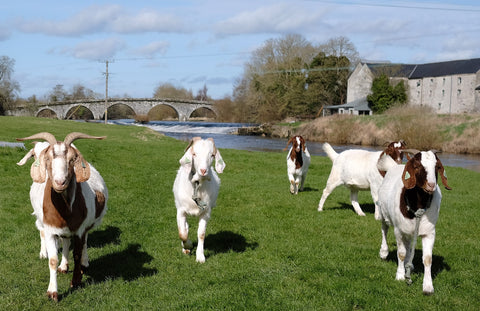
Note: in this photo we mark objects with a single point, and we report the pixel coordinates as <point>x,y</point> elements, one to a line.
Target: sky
<point>208,42</point>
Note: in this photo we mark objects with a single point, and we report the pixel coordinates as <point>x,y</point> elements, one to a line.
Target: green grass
<point>265,249</point>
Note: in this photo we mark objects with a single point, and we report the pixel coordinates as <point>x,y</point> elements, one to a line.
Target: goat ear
<point>219,163</point>
<point>186,160</point>
<point>82,168</point>
<point>288,143</point>
<point>38,168</point>
<point>26,157</point>
<point>408,176</point>
<point>441,170</point>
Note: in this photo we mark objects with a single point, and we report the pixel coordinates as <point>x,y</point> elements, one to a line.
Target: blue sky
<point>192,43</point>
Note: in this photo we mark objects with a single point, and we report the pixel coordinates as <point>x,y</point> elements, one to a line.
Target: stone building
<point>447,87</point>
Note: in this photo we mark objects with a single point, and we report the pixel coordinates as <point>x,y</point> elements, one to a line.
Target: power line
<point>420,6</point>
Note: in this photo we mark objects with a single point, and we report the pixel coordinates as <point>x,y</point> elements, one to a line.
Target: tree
<point>327,81</point>
<point>168,90</point>
<point>341,46</point>
<point>9,88</point>
<point>58,94</point>
<point>275,78</point>
<point>384,95</point>
<point>202,93</point>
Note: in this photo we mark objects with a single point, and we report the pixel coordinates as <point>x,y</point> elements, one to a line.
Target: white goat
<point>357,170</point>
<point>69,198</point>
<point>298,161</point>
<point>409,193</point>
<point>196,189</point>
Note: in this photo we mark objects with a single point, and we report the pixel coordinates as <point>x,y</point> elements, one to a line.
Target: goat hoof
<point>186,251</point>
<point>62,271</point>
<point>75,284</point>
<point>53,296</point>
<point>83,269</point>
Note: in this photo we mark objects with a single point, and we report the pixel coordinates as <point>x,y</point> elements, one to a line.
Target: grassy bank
<point>265,249</point>
<point>420,128</point>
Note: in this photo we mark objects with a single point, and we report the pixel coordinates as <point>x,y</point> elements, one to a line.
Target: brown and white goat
<point>406,190</point>
<point>298,161</point>
<point>358,170</point>
<point>69,198</point>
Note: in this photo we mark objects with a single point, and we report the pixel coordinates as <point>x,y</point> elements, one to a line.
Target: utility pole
<point>106,90</point>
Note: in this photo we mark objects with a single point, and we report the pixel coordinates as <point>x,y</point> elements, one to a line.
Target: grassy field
<point>265,249</point>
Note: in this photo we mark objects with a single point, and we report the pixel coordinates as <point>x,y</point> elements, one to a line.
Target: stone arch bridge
<point>184,108</point>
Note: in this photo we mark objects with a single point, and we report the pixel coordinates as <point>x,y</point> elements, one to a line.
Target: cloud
<point>278,18</point>
<point>153,48</point>
<point>107,18</point>
<point>4,33</point>
<point>95,50</point>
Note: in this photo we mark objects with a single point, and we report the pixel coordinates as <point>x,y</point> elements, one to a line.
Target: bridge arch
<point>79,112</point>
<point>46,113</point>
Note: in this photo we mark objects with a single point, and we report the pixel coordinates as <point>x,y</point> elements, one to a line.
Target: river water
<point>222,134</point>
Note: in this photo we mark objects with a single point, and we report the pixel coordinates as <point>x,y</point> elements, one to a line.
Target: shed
<point>356,107</point>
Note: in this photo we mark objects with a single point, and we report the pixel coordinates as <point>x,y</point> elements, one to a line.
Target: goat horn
<point>43,135</point>
<point>412,151</point>
<point>70,138</point>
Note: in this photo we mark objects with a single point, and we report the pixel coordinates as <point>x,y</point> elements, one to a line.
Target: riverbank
<point>420,128</point>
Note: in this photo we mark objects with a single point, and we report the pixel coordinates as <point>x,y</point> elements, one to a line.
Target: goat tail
<point>332,154</point>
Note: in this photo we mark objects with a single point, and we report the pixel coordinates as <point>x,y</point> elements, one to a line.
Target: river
<point>222,134</point>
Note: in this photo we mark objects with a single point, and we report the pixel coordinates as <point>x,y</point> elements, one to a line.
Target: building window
<point>431,80</point>
<point>418,83</point>
<point>443,81</point>
<point>459,80</point>
<point>459,92</point>
<point>430,93</point>
<point>439,106</point>
<point>443,93</point>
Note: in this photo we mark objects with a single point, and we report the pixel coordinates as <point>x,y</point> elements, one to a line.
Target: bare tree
<point>9,88</point>
<point>341,46</point>
<point>168,90</point>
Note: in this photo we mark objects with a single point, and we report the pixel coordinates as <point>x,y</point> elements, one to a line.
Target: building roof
<point>418,71</point>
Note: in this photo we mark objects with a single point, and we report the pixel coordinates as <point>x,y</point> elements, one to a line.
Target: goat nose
<point>431,186</point>
<point>60,182</point>
<point>203,171</point>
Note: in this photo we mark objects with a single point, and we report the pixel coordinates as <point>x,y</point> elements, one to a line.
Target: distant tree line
<point>285,77</point>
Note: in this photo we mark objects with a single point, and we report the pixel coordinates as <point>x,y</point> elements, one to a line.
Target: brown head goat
<point>298,161</point>
<point>409,200</point>
<point>69,198</point>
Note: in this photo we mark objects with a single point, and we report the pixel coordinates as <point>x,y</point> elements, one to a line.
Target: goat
<point>408,192</point>
<point>357,170</point>
<point>298,161</point>
<point>196,189</point>
<point>69,198</point>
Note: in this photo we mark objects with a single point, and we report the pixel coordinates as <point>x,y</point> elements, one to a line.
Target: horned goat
<point>69,198</point>
<point>409,200</point>
<point>196,189</point>
<point>357,170</point>
<point>298,161</point>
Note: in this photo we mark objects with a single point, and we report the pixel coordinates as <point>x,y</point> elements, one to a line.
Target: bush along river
<point>224,136</point>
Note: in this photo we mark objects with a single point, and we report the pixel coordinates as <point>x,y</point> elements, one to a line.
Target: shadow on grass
<point>127,265</point>
<point>438,262</point>
<point>368,208</point>
<point>309,189</point>
<point>100,238</point>
<point>225,241</point>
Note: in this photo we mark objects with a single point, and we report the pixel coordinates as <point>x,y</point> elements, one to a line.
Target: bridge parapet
<point>184,108</point>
